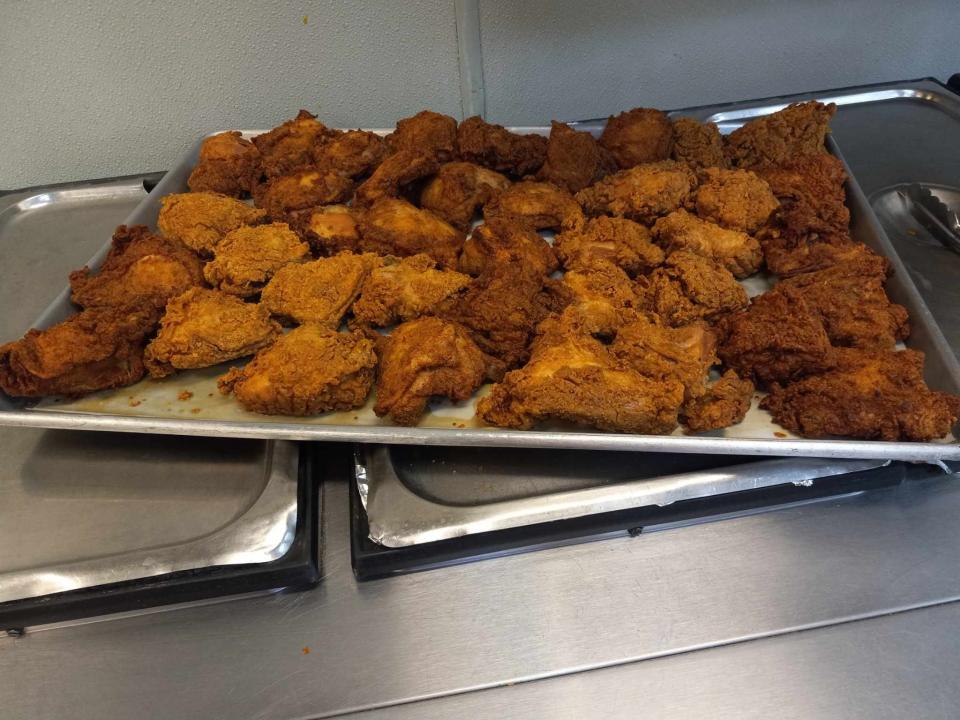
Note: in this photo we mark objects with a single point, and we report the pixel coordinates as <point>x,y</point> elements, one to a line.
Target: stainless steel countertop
<point>843,608</point>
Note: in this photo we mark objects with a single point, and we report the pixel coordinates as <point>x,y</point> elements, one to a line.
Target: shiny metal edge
<point>264,532</point>
<point>398,517</point>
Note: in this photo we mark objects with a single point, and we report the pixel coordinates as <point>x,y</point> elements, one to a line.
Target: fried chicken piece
<point>426,358</point>
<point>487,241</point>
<point>574,377</point>
<point>94,350</point>
<point>290,147</point>
<point>396,227</point>
<point>535,206</point>
<point>777,339</point>
<point>318,292</point>
<point>688,287</point>
<point>725,403</point>
<point>815,255</point>
<point>329,229</point>
<point>204,327</point>
<point>641,135</point>
<point>403,289</point>
<point>799,129</point>
<point>353,154</point>
<point>735,250</point>
<point>308,371</point>
<point>495,147</point>
<point>300,190</point>
<point>622,242</point>
<point>574,159</point>
<point>662,353</point>
<point>394,173</point>
<point>141,270</point>
<point>459,189</point>
<point>870,394</point>
<point>604,295</point>
<point>642,193</point>
<point>248,257</point>
<point>699,145</point>
<point>228,165</point>
<point>735,199</point>
<point>200,219</point>
<point>850,300</point>
<point>427,133</point>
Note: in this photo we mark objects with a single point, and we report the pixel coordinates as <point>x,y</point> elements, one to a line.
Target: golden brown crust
<point>495,147</point>
<point>799,129</point>
<point>623,242</point>
<point>290,147</point>
<point>642,193</point>
<point>300,190</point>
<point>459,189</point>
<point>687,288</point>
<point>228,164</point>
<point>735,199</point>
<point>248,257</point>
<point>735,250</point>
<point>426,133</point>
<point>574,159</point>
<point>397,170</point>
<point>488,242</point>
<point>200,220</point>
<point>604,296</point>
<point>328,229</point>
<point>395,227</point>
<point>725,403</point>
<point>641,135</point>
<point>699,145</point>
<point>534,206</point>
<point>353,154</point>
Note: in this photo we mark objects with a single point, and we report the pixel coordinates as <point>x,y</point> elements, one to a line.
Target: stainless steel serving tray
<point>153,407</point>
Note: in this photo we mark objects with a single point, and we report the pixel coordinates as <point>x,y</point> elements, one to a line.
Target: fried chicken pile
<point>653,223</point>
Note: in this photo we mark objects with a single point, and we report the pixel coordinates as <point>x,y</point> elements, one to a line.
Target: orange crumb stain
<point>306,650</point>
<point>195,411</point>
<point>184,395</point>
<point>780,434</point>
<point>134,403</point>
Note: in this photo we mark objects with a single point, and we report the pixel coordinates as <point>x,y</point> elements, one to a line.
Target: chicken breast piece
<point>735,199</point>
<point>228,164</point>
<point>641,135</point>
<point>200,219</point>
<point>300,190</point>
<point>535,206</point>
<point>309,371</point>
<point>459,189</point>
<point>353,154</point>
<point>574,159</point>
<point>396,227</point>
<point>799,129</point>
<point>426,133</point>
<point>495,147</point>
<point>488,242</point>
<point>642,193</point>
<point>248,257</point>
<point>699,145</point>
<point>329,229</point>
<point>604,295</point>
<point>735,250</point>
<point>290,147</point>
<point>603,239</point>
<point>203,327</point>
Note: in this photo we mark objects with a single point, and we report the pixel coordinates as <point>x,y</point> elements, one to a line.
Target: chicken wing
<point>396,227</point>
<point>228,165</point>
<point>353,154</point>
<point>426,358</point>
<point>495,147</point>
<point>777,339</point>
<point>204,327</point>
<point>403,289</point>
<point>622,242</point>
<point>393,175</point>
<point>799,129</point>
<point>308,371</point>
<point>200,220</point>
<point>290,147</point>
<point>300,190</point>
<point>735,199</point>
<point>574,159</point>
<point>487,241</point>
<point>642,193</point>
<point>535,206</point>
<point>329,229</point>
<point>870,394</point>
<point>574,377</point>
<point>318,292</point>
<point>426,133</point>
<point>688,287</point>
<point>459,189</point>
<point>641,135</point>
<point>725,403</point>
<point>141,270</point>
<point>699,145</point>
<point>248,257</point>
<point>94,350</point>
<point>735,250</point>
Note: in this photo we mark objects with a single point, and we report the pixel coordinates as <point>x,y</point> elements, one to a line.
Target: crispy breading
<point>725,403</point>
<point>535,206</point>
<point>869,394</point>
<point>622,242</point>
<point>487,241</point>
<point>574,159</point>
<point>688,287</point>
<point>93,350</point>
<point>641,135</point>
<point>697,144</point>
<point>426,133</point>
<point>353,154</point>
<point>300,190</point>
<point>248,257</point>
<point>604,295</point>
<point>642,193</point>
<point>735,250</point>
<point>403,289</point>
<point>459,189</point>
<point>318,292</point>
<point>735,199</point>
<point>228,164</point>
<point>203,327</point>
<point>425,358</point>
<point>140,270</point>
<point>290,147</point>
<point>393,174</point>
<point>200,219</point>
<point>495,147</point>
<point>396,227</point>
<point>328,229</point>
<point>799,129</point>
<point>308,371</point>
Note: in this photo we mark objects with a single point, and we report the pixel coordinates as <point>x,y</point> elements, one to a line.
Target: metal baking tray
<point>153,406</point>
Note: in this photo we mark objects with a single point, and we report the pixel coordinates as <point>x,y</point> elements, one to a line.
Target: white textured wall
<point>111,87</point>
